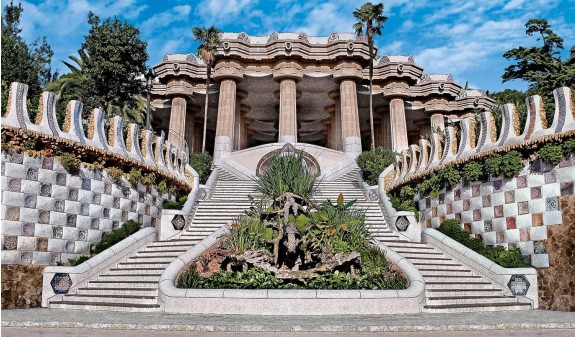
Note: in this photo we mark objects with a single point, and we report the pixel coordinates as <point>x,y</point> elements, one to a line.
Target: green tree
<point>29,64</point>
<point>541,66</point>
<point>370,19</point>
<point>209,39</point>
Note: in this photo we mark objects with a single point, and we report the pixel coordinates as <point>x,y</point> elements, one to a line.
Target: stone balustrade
<point>420,160</point>
<point>139,148</point>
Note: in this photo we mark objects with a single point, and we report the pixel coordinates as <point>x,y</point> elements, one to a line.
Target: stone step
<point>169,251</point>
<point>110,306</point>
<point>445,271</point>
<point>135,270</point>
<point>124,299</point>
<point>130,277</point>
<point>446,293</point>
<point>122,284</point>
<point>165,246</point>
<point>153,258</point>
<point>429,260</point>
<point>420,254</point>
<point>448,308</point>
<point>143,264</point>
<point>458,285</point>
<point>470,299</point>
<point>451,278</point>
<point>118,291</point>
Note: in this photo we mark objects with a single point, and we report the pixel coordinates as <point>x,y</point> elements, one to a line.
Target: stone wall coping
<point>81,273</point>
<point>175,298</point>
<point>481,264</point>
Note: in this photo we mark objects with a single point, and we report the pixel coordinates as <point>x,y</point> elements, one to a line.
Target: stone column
<point>336,121</point>
<point>437,121</point>
<point>191,133</point>
<point>245,132</point>
<point>224,142</point>
<point>288,117</point>
<point>177,121</point>
<point>333,128</point>
<point>240,95</point>
<point>350,131</point>
<point>398,126</point>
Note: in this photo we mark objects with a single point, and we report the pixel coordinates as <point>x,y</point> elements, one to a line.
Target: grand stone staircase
<point>132,284</point>
<point>449,285</point>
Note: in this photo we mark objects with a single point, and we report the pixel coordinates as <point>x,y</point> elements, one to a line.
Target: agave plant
<point>287,174</point>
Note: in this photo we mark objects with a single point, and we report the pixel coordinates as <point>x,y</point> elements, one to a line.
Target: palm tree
<point>370,18</point>
<point>209,39</point>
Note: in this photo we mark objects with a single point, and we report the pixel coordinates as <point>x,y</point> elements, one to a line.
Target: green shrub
<point>406,192</point>
<point>202,163</point>
<point>247,233</point>
<point>149,179</point>
<point>70,162</point>
<point>373,260</point>
<point>449,176</point>
<point>190,279</point>
<point>506,258</point>
<point>162,187</point>
<point>135,176</point>
<point>493,164</point>
<point>115,174</point>
<point>175,204</point>
<point>511,164</point>
<point>551,154</point>
<point>473,171</point>
<point>78,261</point>
<point>429,186</point>
<point>569,146</point>
<point>128,228</point>
<point>287,174</point>
<point>373,162</point>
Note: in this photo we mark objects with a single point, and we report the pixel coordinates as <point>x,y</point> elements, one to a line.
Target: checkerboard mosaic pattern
<point>49,215</point>
<point>508,212</point>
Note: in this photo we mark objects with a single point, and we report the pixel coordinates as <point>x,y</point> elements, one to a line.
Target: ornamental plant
<point>449,177</point>
<point>373,162</point>
<point>472,171</point>
<point>202,163</point>
<point>511,164</point>
<point>551,154</point>
<point>493,164</point>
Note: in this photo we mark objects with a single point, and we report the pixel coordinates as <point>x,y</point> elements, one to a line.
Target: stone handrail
<point>428,156</point>
<point>58,280</point>
<point>479,263</point>
<point>297,302</point>
<point>138,148</point>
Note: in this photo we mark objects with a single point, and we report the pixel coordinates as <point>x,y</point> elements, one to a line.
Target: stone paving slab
<point>60,318</point>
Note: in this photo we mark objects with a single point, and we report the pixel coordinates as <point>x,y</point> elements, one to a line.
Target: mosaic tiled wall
<point>21,286</point>
<point>512,212</point>
<point>49,215</point>
<point>556,283</point>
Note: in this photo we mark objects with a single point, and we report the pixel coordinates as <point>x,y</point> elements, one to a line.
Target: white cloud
<point>223,11</point>
<point>165,19</point>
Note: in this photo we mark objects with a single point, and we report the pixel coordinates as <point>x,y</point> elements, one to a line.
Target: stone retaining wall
<point>511,212</point>
<point>49,215</point>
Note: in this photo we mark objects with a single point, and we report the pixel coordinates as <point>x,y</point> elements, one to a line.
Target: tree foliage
<point>29,64</point>
<point>105,74</point>
<point>209,39</point>
<point>370,19</point>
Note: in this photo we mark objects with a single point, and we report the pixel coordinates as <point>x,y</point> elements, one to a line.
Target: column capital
<point>348,70</point>
<point>228,70</point>
<point>437,105</point>
<point>396,89</point>
<point>288,70</point>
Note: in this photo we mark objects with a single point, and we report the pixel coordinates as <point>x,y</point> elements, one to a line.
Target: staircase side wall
<point>49,215</point>
<point>510,212</point>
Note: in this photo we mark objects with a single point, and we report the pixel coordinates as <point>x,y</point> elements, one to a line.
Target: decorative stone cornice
<point>437,105</point>
<point>410,72</point>
<point>348,70</point>
<point>288,69</point>
<point>396,89</point>
<point>228,69</point>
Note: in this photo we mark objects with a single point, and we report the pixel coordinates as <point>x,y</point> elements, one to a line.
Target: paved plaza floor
<point>78,320</point>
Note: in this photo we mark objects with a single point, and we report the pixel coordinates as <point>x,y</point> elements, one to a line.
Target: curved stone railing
<point>428,156</point>
<point>292,302</point>
<point>514,281</point>
<point>59,280</point>
<point>138,148</point>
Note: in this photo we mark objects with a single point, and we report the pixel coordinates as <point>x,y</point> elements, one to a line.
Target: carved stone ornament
<point>61,283</point>
<point>273,37</point>
<point>178,222</point>
<point>401,223</point>
<point>309,162</point>
<point>518,285</point>
<point>191,58</point>
<point>244,37</point>
<point>333,37</point>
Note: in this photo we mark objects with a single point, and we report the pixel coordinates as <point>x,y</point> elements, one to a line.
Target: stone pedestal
<point>177,121</point>
<point>288,117</point>
<point>224,142</point>
<point>437,121</point>
<point>351,137</point>
<point>398,127</point>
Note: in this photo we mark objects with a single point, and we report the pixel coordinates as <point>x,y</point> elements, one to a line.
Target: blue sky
<point>463,38</point>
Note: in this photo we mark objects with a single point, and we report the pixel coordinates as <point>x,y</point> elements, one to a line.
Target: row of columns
<point>343,129</point>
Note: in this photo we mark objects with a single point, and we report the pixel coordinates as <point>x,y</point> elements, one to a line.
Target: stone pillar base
<point>287,139</point>
<point>352,146</point>
<point>223,144</point>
